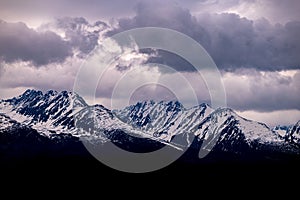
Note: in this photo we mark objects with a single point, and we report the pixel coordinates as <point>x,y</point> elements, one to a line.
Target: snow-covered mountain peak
<point>172,105</point>
<point>55,112</point>
<point>34,98</point>
<point>233,130</point>
<point>293,134</point>
<point>44,111</point>
<point>28,96</point>
<point>51,93</point>
<point>202,105</point>
<point>163,119</point>
<point>225,112</point>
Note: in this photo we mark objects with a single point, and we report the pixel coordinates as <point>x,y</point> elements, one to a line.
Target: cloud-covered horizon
<point>76,38</point>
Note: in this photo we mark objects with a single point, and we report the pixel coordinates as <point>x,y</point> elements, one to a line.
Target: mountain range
<point>37,120</point>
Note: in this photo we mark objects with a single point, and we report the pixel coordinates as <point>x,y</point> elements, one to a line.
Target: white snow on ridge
<point>257,131</point>
<point>156,120</point>
<point>5,122</point>
<point>251,130</point>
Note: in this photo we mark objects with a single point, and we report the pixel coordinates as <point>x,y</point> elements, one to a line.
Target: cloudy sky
<point>254,43</point>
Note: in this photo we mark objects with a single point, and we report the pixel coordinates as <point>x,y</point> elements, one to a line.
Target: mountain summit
<point>54,113</point>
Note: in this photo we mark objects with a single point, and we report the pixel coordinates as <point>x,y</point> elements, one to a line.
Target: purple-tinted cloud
<point>20,43</point>
<point>232,41</point>
<point>262,91</point>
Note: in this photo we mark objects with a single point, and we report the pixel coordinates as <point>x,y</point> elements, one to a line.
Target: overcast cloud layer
<point>35,12</point>
<point>232,41</point>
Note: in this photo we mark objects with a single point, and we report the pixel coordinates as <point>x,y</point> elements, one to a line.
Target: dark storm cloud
<point>232,41</point>
<point>169,59</point>
<point>174,17</point>
<point>79,32</point>
<point>19,43</point>
<point>241,43</point>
